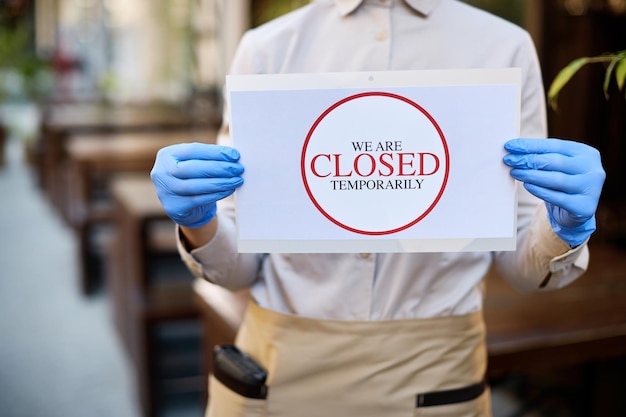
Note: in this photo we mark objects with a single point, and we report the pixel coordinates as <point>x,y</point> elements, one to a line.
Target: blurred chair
<point>92,160</point>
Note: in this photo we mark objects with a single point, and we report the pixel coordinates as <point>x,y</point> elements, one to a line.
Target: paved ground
<point>59,355</point>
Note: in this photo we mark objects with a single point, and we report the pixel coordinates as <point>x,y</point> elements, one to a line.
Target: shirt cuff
<point>565,264</point>
<point>568,267</point>
<point>192,264</point>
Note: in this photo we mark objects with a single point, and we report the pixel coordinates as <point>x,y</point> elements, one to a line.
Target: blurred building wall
<point>140,50</point>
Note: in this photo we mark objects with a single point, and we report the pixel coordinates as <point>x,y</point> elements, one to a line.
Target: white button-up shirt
<point>374,35</point>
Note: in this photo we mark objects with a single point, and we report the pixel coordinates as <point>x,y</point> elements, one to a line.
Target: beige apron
<point>328,368</point>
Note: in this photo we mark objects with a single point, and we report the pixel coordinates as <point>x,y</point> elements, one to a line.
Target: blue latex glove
<point>190,177</point>
<point>568,176</point>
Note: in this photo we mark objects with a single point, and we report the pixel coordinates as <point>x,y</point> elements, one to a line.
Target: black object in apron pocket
<point>237,386</point>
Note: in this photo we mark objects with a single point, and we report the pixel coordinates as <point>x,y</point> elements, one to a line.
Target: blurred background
<point>98,316</point>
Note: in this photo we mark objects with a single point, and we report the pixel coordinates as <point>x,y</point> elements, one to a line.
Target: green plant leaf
<point>563,78</point>
<point>620,73</point>
<point>607,77</point>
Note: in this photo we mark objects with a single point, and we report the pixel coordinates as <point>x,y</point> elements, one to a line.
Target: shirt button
<point>365,255</point>
<point>381,36</point>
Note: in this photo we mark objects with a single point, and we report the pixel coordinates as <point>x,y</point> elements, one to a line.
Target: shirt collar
<point>422,6</point>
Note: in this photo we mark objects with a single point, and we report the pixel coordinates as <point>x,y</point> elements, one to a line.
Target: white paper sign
<point>406,161</point>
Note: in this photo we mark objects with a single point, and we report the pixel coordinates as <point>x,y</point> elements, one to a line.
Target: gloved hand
<point>190,177</point>
<point>568,176</point>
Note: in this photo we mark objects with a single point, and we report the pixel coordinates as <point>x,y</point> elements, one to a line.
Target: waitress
<point>379,334</point>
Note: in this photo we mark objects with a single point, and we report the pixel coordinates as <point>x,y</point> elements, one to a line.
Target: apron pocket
<point>224,402</point>
<point>476,407</point>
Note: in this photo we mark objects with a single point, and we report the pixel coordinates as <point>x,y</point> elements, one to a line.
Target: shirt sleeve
<point>542,260</point>
<point>218,261</point>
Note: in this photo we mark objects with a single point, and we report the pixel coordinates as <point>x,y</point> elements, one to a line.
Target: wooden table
<point>93,159</point>
<point>571,341</point>
<point>61,121</point>
<point>582,322</point>
<point>142,297</point>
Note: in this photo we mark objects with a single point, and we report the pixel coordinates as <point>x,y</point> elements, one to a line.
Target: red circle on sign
<point>368,232</point>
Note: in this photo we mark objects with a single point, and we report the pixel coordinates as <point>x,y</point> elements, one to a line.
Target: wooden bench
<point>93,159</point>
<point>148,295</point>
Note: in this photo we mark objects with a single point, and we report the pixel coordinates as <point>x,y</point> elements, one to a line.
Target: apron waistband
<point>434,327</point>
